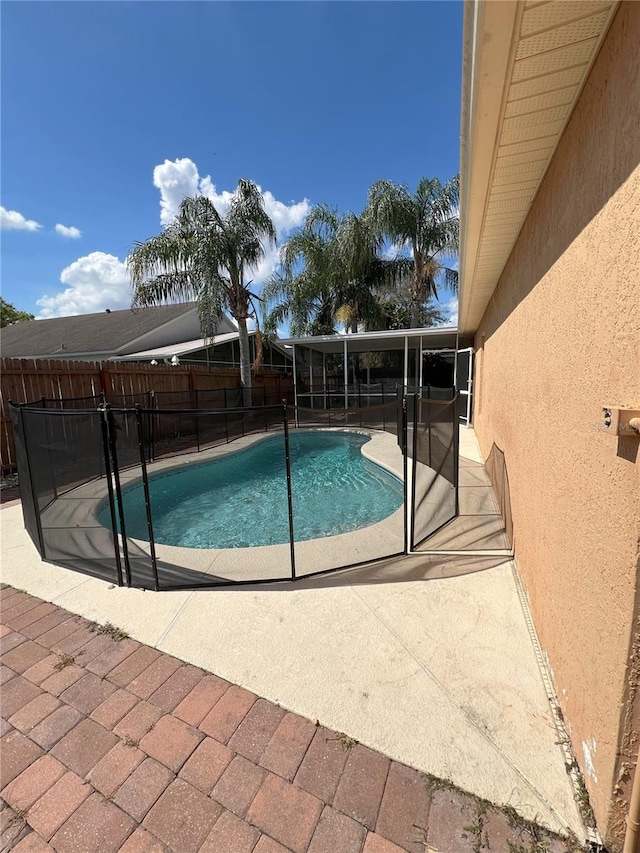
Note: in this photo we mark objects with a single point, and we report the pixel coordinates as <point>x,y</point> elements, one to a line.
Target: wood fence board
<point>28,380</point>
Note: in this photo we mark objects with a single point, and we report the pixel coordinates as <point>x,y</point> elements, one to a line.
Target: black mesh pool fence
<point>92,476</point>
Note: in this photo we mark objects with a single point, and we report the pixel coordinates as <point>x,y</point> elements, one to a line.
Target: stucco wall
<point>561,338</point>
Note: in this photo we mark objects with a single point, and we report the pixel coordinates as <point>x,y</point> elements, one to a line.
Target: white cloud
<point>68,231</point>
<point>175,180</point>
<point>95,282</point>
<point>179,179</point>
<point>451,310</point>
<point>11,220</point>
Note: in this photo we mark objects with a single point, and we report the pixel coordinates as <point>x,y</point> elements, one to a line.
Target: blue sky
<point>113,111</point>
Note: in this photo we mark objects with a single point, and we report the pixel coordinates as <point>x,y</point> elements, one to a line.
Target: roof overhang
<point>525,63</point>
<point>437,337</point>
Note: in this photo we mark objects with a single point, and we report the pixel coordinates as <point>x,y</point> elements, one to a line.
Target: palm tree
<point>303,289</point>
<point>426,223</point>
<point>205,256</point>
<point>329,273</point>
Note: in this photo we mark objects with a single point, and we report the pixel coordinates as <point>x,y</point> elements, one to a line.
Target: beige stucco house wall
<point>560,338</point>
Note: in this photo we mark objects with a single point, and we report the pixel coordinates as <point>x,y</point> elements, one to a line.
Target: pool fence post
<point>407,508</point>
<point>287,458</point>
<point>295,386</point>
<point>111,432</point>
<point>324,378</point>
<point>152,406</point>
<point>456,447</point>
<point>414,464</point>
<point>345,376</point>
<point>112,508</point>
<point>147,500</point>
<point>429,413</point>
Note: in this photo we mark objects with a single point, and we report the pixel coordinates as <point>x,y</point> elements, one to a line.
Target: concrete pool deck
<point>426,658</point>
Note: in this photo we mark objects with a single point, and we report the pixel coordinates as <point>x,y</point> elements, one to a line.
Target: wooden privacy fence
<point>28,380</point>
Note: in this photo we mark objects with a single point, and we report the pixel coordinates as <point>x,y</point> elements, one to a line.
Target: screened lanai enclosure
<point>157,494</point>
<point>367,368</point>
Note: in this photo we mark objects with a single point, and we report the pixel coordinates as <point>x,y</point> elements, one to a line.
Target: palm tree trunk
<point>416,288</point>
<point>245,361</point>
<point>414,317</point>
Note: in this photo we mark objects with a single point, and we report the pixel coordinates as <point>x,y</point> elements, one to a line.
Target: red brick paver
<point>55,726</point>
<point>171,742</point>
<point>206,765</point>
<point>18,752</point>
<point>24,656</point>
<point>362,784</point>
<point>58,804</point>
<point>143,787</point>
<point>17,693</point>
<point>256,730</point>
<point>140,720</point>
<point>404,811</point>
<point>183,817</point>
<point>97,826</point>
<point>200,700</point>
<point>238,785</point>
<point>285,751</point>
<point>227,714</point>
<point>285,812</point>
<point>114,708</point>
<point>336,831</point>
<point>176,687</point>
<point>231,835</point>
<point>446,831</point>
<point>32,843</point>
<point>32,783</point>
<point>84,746</point>
<point>129,749</point>
<point>87,693</point>
<point>115,768</point>
<point>322,766</point>
<point>142,842</point>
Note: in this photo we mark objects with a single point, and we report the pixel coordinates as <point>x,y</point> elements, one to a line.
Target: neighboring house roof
<point>525,64</point>
<point>181,348</point>
<point>106,333</point>
<point>187,347</point>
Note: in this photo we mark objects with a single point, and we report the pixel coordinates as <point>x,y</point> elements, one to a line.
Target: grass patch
<point>64,661</point>
<point>109,630</point>
<point>435,783</point>
<point>345,741</point>
<point>584,805</point>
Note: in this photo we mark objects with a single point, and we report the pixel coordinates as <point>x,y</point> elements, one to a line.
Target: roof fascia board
<point>490,41</point>
<point>471,177</point>
<point>369,336</point>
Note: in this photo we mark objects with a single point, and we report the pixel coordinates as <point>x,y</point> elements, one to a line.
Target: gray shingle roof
<point>86,333</point>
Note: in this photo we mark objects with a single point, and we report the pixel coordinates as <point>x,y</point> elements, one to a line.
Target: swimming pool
<point>240,500</point>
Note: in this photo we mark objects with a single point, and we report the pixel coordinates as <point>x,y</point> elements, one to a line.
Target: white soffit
<point>525,63</point>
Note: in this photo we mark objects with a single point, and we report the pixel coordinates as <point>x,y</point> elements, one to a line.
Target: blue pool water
<point>240,501</point>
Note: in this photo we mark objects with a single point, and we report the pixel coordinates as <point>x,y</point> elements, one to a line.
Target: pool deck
<point>426,658</point>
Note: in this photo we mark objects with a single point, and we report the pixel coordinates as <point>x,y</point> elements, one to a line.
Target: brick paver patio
<point>110,745</point>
